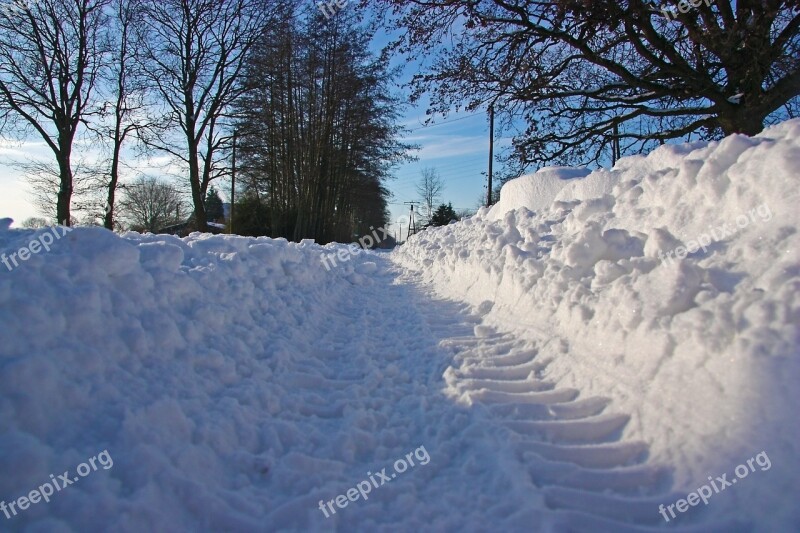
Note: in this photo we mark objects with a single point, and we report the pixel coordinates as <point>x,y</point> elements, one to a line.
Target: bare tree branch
<point>574,70</point>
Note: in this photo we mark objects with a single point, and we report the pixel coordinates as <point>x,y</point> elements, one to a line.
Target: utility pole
<point>491,154</point>
<point>616,154</point>
<point>412,224</point>
<point>233,183</point>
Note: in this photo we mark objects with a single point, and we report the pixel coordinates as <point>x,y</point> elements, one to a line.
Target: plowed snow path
<point>390,370</point>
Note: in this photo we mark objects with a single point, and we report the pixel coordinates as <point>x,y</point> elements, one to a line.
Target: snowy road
<point>390,370</point>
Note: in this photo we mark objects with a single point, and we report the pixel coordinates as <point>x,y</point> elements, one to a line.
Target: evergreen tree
<point>251,216</point>
<point>213,206</point>
<point>443,215</point>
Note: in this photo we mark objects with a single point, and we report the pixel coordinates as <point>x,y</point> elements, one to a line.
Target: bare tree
<point>430,189</point>
<point>193,56</point>
<point>464,213</point>
<point>128,96</point>
<point>35,223</point>
<point>51,55</point>
<point>44,179</point>
<point>582,74</point>
<point>319,129</point>
<point>148,204</point>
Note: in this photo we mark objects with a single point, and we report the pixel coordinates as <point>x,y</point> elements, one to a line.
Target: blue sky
<point>457,148</point>
<point>14,199</point>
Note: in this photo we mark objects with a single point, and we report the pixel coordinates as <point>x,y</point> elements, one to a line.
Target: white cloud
<point>15,196</point>
<point>443,146</point>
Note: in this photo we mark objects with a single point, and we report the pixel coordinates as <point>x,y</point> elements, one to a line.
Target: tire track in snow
<point>396,369</point>
<point>572,447</point>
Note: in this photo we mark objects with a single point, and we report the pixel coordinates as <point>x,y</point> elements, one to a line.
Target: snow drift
<point>672,283</point>
<point>164,352</point>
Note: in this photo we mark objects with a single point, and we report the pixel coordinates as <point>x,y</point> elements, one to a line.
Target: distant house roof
<point>185,228</point>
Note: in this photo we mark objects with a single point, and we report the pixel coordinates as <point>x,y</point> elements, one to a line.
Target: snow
<point>701,351</point>
<point>737,98</point>
<point>538,191</point>
<point>558,372</point>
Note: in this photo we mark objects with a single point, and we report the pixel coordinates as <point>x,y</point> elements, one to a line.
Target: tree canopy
<point>579,74</point>
<point>318,127</point>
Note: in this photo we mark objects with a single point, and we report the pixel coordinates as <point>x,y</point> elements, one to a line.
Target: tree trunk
<point>108,218</point>
<point>65,190</point>
<point>197,192</point>
<point>740,119</point>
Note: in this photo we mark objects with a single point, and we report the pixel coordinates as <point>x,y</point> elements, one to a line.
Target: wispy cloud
<point>443,146</point>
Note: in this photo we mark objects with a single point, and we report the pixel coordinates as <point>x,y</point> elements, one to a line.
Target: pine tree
<point>252,216</point>
<point>213,206</point>
<point>443,215</point>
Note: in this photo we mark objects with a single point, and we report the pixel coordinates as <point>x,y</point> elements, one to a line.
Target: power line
<point>425,127</point>
<point>407,187</point>
<point>406,203</point>
<point>457,160</point>
<point>410,179</point>
<point>445,169</point>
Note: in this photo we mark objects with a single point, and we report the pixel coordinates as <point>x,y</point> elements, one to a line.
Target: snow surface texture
<point>563,380</point>
<point>702,351</point>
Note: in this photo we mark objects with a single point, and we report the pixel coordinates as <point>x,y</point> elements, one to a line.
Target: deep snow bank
<point>700,345</point>
<point>163,352</point>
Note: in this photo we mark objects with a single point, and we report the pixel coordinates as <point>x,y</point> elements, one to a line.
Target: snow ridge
<point>700,351</point>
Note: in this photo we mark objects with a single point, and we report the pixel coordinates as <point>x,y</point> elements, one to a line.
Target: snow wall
<point>673,284</point>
